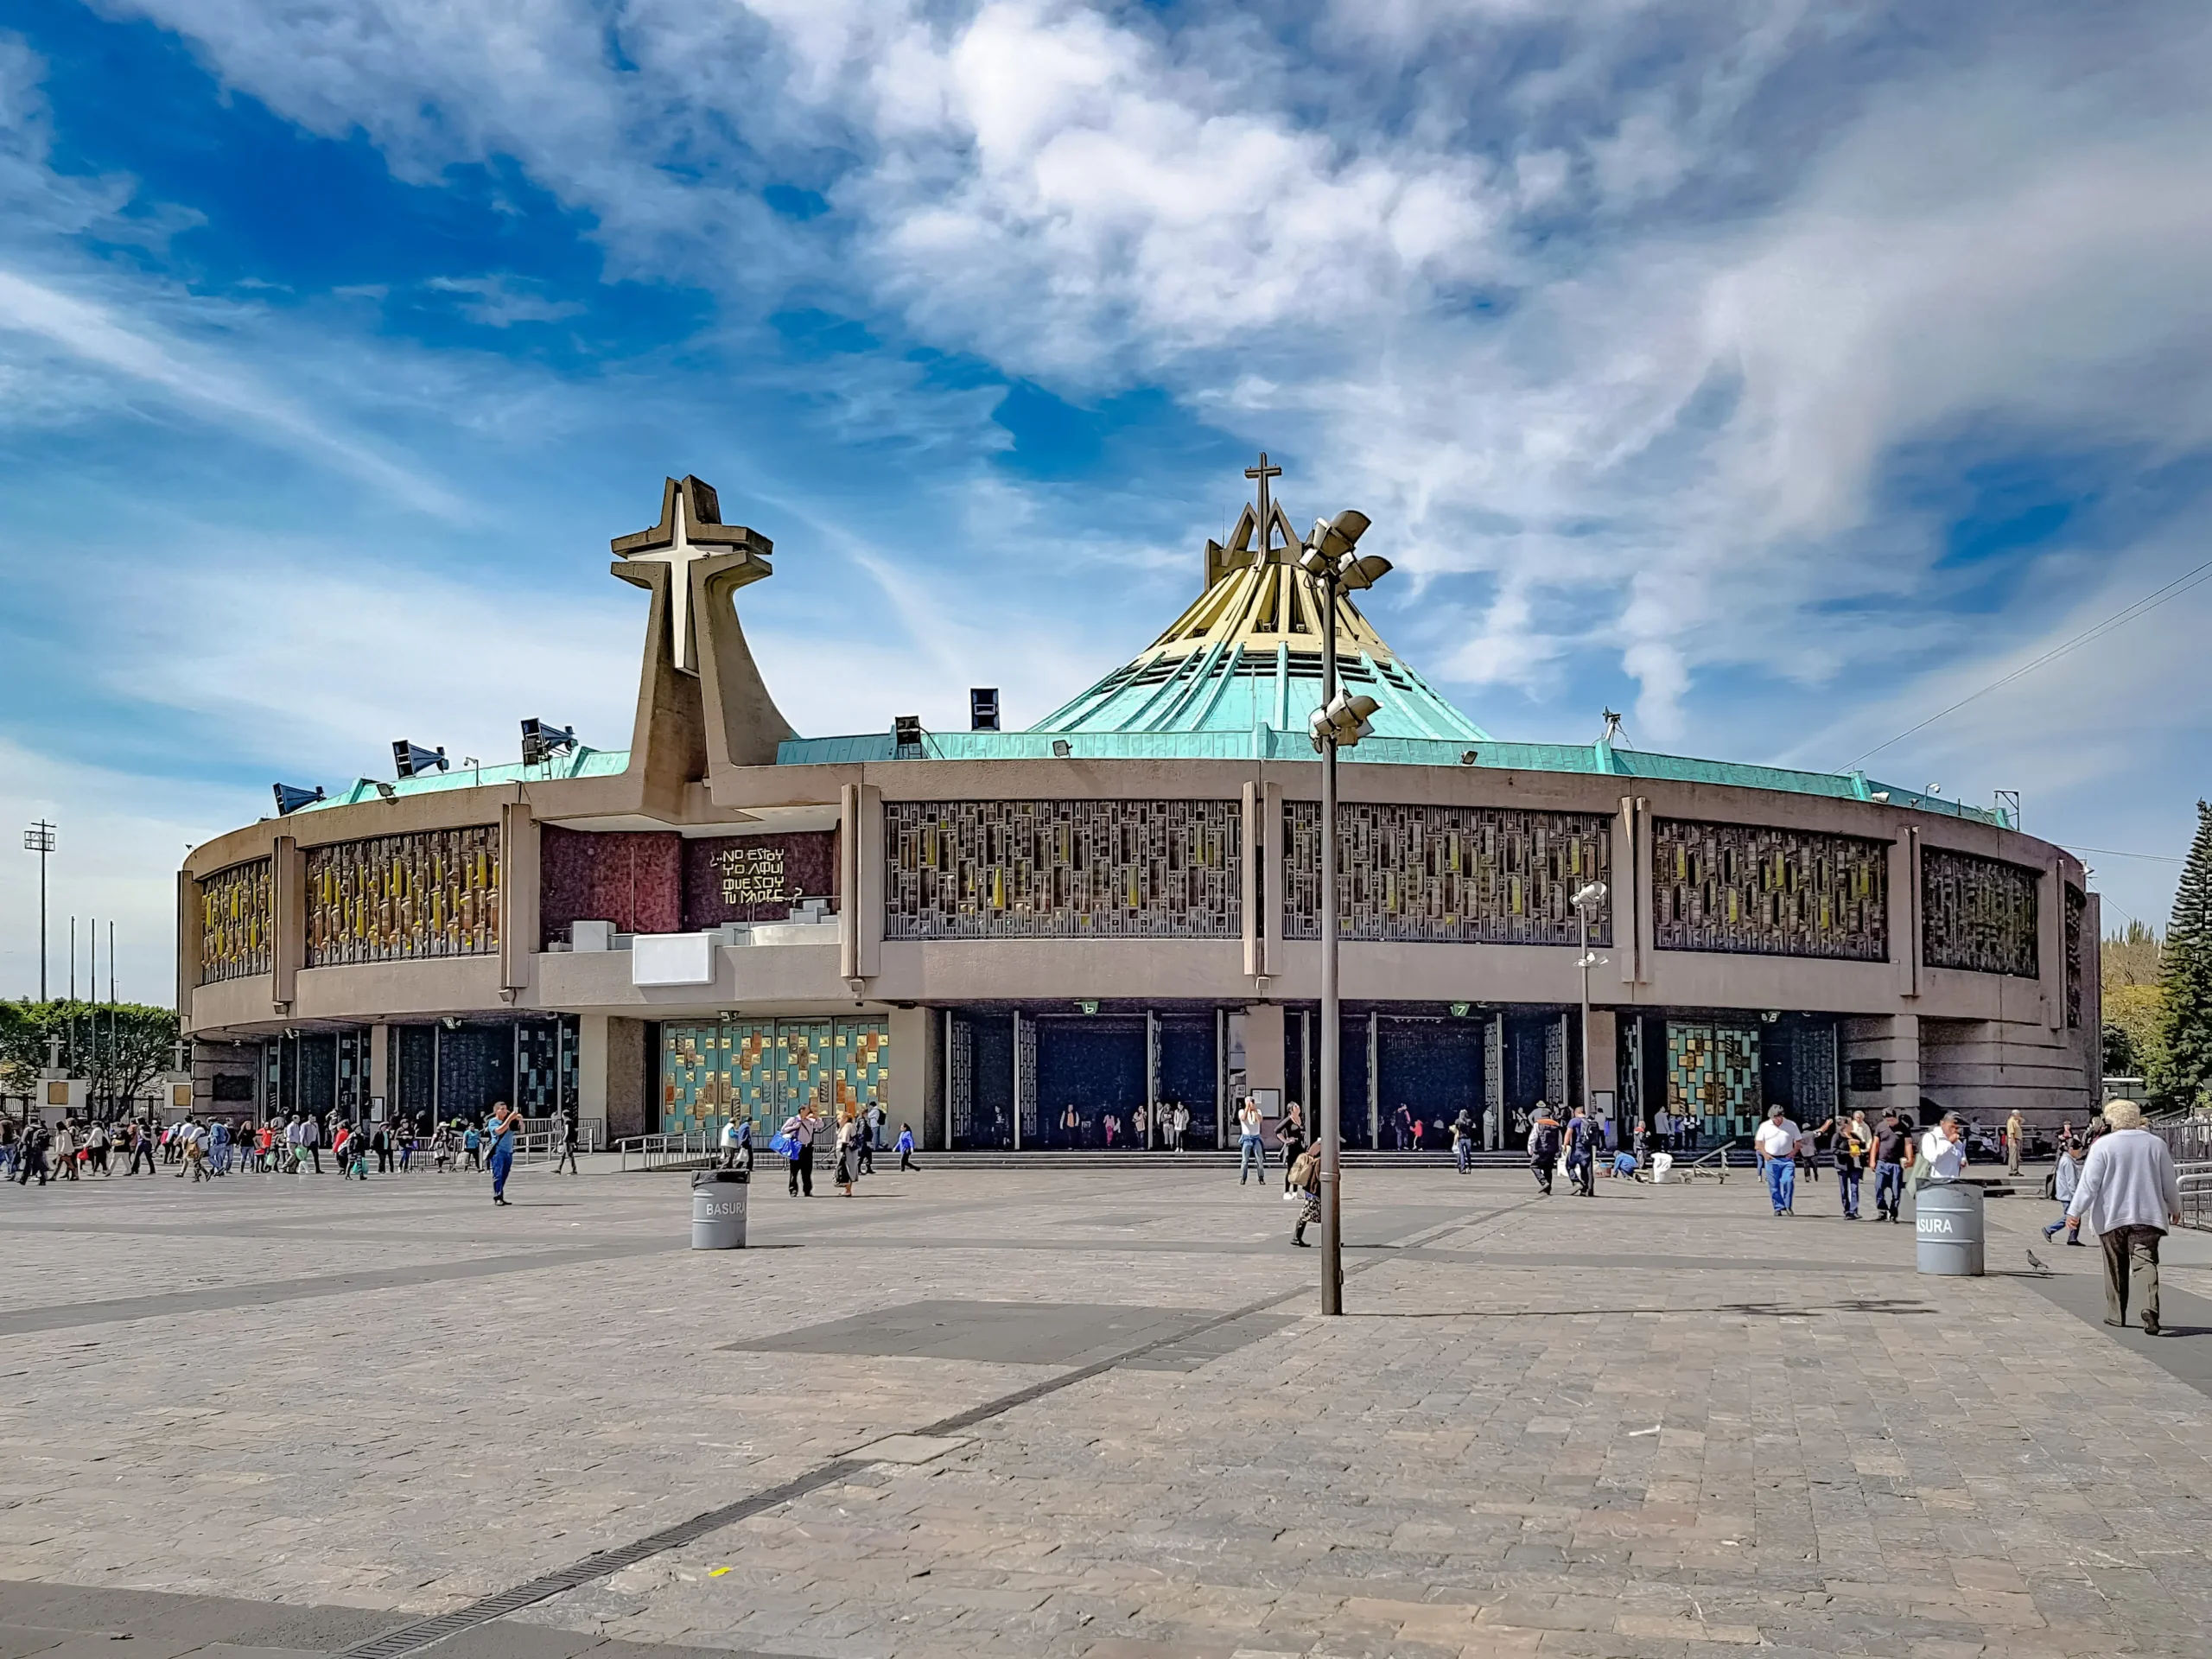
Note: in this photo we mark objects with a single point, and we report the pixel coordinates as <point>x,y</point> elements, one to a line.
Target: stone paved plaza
<point>1080,1413</point>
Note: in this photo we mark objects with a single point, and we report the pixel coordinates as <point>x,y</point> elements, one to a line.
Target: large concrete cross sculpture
<point>691,529</point>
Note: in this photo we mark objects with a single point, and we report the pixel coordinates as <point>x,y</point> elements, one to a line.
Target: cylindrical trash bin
<point>1947,1223</point>
<point>1661,1163</point>
<point>718,1209</point>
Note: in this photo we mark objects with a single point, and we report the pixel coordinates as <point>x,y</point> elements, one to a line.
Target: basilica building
<point>1081,934</point>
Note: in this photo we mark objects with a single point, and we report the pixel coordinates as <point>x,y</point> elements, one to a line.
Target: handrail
<point>667,1151</point>
<point>2197,1195</point>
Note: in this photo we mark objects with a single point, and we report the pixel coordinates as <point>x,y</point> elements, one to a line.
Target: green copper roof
<point>1234,688</point>
<point>580,762</point>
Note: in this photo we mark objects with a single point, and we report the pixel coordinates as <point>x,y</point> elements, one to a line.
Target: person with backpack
<point>1582,1137</point>
<point>1543,1146</point>
<point>737,1143</point>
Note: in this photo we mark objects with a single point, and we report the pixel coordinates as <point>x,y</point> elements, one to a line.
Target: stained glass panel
<point>1978,914</point>
<point>1064,869</point>
<point>396,897</point>
<point>237,916</point>
<point>1752,890</point>
<point>1448,875</point>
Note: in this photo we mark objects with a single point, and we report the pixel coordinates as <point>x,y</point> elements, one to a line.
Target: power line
<point>2150,601</point>
<point>2110,852</point>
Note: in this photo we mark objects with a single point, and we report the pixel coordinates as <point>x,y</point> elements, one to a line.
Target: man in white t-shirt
<point>1776,1142</point>
<point>1943,1149</point>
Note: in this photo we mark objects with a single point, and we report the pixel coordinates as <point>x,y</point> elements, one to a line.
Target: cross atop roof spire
<point>691,529</point>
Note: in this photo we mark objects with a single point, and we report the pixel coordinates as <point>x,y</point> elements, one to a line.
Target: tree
<point>119,1046</point>
<point>2184,1073</point>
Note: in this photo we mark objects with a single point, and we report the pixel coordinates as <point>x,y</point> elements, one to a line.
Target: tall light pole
<point>1587,897</point>
<point>1329,555</point>
<point>39,839</point>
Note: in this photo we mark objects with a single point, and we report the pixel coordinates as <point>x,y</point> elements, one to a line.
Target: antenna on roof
<point>1611,735</point>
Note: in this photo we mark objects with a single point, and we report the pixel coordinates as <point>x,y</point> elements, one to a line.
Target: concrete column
<point>1271,882</point>
<point>1263,1049</point>
<point>190,936</point>
<point>2050,945</point>
<point>629,1074</point>
<point>917,1070</point>
<point>1256,944</point>
<point>849,881</point>
<point>1893,1042</point>
<point>1601,1057</point>
<point>1905,911</point>
<point>867,863</point>
<point>288,872</point>
<point>518,893</point>
<point>380,1065</point>
<point>591,1066</point>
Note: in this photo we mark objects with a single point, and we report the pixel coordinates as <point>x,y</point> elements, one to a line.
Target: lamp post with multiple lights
<point>39,839</point>
<point>1331,555</point>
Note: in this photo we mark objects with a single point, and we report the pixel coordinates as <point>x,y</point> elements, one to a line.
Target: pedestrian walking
<point>1251,1150</point>
<point>1291,1131</point>
<point>1582,1137</point>
<point>1463,1140</point>
<point>2015,1131</point>
<point>1543,1146</point>
<point>1851,1148</point>
<point>10,1144</point>
<point>796,1143</point>
<point>2130,1194</point>
<point>1892,1152</point>
<point>871,1132</point>
<point>507,1123</point>
<point>33,1150</point>
<point>1180,1120</point>
<point>472,1148</point>
<point>850,1133</point>
<point>311,1138</point>
<point>569,1139</point>
<point>2065,1182</point>
<point>1306,1185</point>
<point>1777,1143</point>
<point>96,1150</point>
<point>63,1151</point>
<point>905,1148</point>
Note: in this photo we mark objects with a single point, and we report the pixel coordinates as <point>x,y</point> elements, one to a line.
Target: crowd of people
<point>207,1147</point>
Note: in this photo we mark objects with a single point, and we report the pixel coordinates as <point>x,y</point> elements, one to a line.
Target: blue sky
<point>1777,373</point>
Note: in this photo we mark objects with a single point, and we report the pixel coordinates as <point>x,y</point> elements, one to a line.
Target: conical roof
<point>1247,655</point>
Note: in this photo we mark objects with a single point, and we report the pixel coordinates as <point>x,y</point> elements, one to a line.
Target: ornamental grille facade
<point>1755,891</point>
<point>1448,875</point>
<point>1978,914</point>
<point>1062,870</point>
<point>237,916</point>
<point>398,897</point>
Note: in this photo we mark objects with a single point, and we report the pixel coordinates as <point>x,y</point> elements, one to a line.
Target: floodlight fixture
<point>290,799</point>
<point>1345,718</point>
<point>1364,571</point>
<point>1468,757</point>
<point>906,735</point>
<point>385,790</point>
<point>1933,789</point>
<point>1590,895</point>
<point>410,759</point>
<point>1062,748</point>
<point>1880,795</point>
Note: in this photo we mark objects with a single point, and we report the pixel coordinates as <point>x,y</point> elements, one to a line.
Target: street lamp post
<point>39,839</point>
<point>1329,555</point>
<point>1587,897</point>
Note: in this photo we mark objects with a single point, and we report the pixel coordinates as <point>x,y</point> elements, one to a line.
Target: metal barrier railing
<point>692,1147</point>
<point>2197,1195</point>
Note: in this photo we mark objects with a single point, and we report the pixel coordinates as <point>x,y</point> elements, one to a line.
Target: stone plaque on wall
<point>756,878</point>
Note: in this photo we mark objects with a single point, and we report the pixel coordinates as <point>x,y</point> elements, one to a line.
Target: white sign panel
<point>673,959</point>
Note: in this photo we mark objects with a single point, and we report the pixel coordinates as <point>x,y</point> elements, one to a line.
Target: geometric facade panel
<point>1712,1075</point>
<point>435,893</point>
<point>763,1070</point>
<point>237,919</point>
<point>1978,914</point>
<point>1064,869</point>
<point>1449,875</point>
<point>1756,891</point>
<point>2077,908</point>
